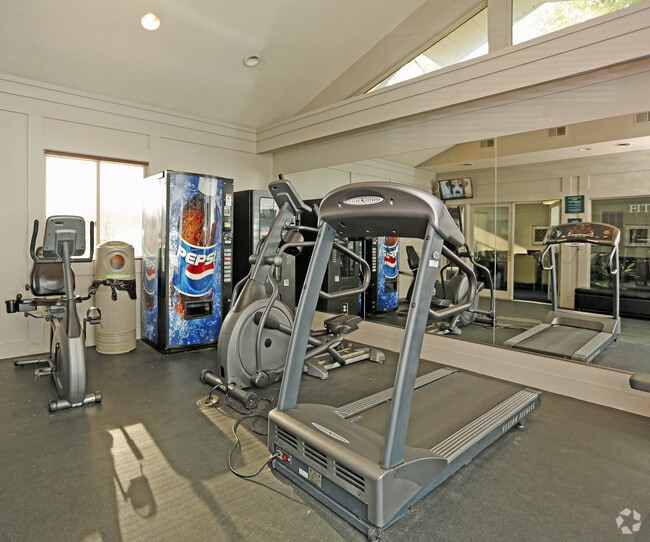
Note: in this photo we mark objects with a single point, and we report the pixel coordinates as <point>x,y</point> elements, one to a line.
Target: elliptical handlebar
<point>283,191</point>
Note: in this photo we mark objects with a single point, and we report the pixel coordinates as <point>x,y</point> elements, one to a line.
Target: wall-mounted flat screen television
<point>455,188</point>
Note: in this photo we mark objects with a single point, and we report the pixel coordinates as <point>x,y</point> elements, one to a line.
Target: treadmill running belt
<point>442,407</point>
<point>558,340</point>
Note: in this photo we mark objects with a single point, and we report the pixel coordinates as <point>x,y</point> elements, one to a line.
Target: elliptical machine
<point>52,284</point>
<point>254,337</point>
<point>455,290</point>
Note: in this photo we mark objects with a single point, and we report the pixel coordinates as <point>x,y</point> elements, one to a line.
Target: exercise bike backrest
<point>47,276</point>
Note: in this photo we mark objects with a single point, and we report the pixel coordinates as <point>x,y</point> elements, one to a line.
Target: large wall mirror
<point>511,188</point>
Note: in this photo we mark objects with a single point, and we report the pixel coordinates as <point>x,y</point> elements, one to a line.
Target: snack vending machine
<point>186,259</point>
<point>342,272</point>
<point>255,211</point>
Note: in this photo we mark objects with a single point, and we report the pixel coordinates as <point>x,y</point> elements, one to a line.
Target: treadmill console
<point>583,232</point>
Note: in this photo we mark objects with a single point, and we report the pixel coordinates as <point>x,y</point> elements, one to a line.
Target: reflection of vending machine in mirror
<point>382,253</point>
<point>187,259</point>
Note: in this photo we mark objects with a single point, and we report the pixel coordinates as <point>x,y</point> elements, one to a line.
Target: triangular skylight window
<point>467,41</point>
<point>531,19</point>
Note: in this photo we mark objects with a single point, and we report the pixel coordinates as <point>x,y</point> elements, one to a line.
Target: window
<point>533,18</point>
<point>530,19</point>
<point>468,41</point>
<point>107,192</point>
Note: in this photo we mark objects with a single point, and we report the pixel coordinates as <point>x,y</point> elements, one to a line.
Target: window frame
<point>97,160</point>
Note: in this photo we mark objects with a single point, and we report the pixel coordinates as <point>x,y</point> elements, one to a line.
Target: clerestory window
<point>467,41</point>
<point>533,18</point>
<point>530,19</point>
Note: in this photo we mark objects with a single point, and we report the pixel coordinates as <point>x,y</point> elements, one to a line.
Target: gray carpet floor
<point>151,463</point>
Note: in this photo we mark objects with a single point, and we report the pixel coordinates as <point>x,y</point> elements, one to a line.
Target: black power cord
<point>245,416</point>
<point>266,463</point>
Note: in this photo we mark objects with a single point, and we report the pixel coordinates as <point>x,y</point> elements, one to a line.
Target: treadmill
<point>370,460</point>
<point>576,335</point>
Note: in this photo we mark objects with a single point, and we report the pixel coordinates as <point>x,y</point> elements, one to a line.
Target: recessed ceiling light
<point>150,21</point>
<point>252,60</point>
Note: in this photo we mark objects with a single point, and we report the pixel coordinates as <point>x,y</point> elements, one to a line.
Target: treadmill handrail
<point>613,269</point>
<point>548,267</point>
<point>377,209</point>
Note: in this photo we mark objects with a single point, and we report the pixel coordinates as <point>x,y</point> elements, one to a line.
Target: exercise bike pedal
<point>93,316</point>
<point>263,379</point>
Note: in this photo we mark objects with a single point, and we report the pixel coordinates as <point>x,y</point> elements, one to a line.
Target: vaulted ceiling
<point>313,53</point>
<point>193,64</point>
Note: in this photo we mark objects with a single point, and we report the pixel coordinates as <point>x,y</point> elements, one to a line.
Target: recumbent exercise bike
<point>52,284</point>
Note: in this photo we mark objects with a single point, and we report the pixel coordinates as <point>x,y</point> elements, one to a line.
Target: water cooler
<point>115,297</point>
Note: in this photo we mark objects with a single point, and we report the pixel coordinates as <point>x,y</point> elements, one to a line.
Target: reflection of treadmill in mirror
<point>571,334</point>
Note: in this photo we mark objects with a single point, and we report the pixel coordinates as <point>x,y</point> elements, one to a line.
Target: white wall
<point>35,118</point>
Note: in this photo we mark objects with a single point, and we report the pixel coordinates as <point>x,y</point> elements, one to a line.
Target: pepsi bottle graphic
<point>197,252</point>
<point>390,261</point>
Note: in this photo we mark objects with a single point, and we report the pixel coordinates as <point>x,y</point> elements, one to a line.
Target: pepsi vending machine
<point>382,254</point>
<point>186,259</point>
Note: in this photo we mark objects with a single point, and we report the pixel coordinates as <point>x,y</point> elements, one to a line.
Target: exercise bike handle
<point>473,287</point>
<point>32,243</point>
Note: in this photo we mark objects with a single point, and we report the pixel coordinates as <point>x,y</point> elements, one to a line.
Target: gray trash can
<point>115,297</point>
